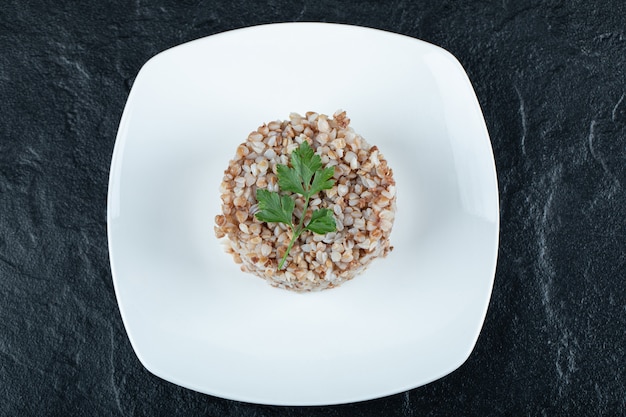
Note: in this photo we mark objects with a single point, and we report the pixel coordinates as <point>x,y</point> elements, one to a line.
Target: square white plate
<point>195,319</point>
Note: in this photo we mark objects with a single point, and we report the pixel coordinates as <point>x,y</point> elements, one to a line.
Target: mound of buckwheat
<point>362,200</point>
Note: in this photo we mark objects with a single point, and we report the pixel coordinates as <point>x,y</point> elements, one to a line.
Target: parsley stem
<point>304,209</point>
<point>296,233</point>
<point>293,239</point>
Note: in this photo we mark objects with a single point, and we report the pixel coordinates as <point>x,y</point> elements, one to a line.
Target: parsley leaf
<point>289,180</point>
<point>322,221</point>
<point>305,177</point>
<point>305,166</point>
<point>305,162</point>
<point>322,180</point>
<point>273,208</point>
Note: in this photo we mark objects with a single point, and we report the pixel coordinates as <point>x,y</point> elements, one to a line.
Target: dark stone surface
<point>551,79</point>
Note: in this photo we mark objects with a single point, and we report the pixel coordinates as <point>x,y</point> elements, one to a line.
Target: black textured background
<point>551,79</point>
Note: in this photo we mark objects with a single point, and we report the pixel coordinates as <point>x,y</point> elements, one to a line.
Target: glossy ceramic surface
<point>195,319</point>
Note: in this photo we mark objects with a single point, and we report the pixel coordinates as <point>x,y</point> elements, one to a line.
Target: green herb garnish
<point>305,177</point>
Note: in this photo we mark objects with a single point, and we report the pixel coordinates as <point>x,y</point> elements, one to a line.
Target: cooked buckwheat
<point>363,201</point>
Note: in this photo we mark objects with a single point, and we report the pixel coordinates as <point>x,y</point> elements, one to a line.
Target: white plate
<point>196,320</point>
